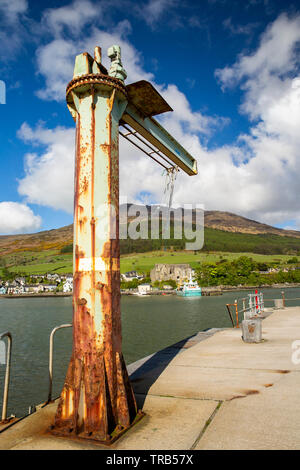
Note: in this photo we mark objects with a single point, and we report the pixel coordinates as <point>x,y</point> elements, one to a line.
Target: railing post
<point>68,325</point>
<point>7,374</point>
<point>256,302</point>
<point>261,297</point>
<point>228,309</point>
<point>250,302</point>
<point>237,314</point>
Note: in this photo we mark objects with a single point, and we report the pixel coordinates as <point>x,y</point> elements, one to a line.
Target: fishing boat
<point>189,288</point>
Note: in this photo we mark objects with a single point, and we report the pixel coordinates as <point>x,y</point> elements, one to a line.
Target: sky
<point>228,68</point>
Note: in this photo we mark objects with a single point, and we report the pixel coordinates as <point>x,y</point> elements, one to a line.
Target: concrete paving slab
<point>227,350</point>
<point>269,420</point>
<point>27,427</point>
<point>170,424</point>
<point>205,383</point>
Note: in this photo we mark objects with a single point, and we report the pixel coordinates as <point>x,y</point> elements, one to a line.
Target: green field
<point>54,262</point>
<point>142,255</point>
<point>38,262</point>
<point>144,262</point>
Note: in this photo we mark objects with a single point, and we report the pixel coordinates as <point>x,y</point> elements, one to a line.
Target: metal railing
<point>7,374</point>
<point>255,307</point>
<point>67,325</point>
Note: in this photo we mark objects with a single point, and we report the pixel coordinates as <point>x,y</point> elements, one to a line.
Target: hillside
<point>236,223</point>
<point>242,235</point>
<point>56,238</point>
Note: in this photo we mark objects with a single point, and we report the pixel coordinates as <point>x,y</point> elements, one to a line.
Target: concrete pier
<point>212,391</point>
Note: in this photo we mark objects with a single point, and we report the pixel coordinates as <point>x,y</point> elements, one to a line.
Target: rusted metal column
<point>97,401</point>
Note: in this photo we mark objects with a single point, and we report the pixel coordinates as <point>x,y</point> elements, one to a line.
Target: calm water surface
<point>149,324</point>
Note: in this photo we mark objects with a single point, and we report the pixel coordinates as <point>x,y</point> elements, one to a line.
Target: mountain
<point>216,220</point>
<point>236,223</point>
<point>56,238</point>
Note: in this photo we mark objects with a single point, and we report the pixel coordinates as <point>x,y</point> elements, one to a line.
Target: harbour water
<point>150,323</point>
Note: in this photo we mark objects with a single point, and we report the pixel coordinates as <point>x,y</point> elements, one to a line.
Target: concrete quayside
<point>210,391</point>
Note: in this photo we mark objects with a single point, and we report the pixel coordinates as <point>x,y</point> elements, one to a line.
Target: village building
<point>176,272</point>
<point>53,277</point>
<point>49,287</point>
<point>144,289</point>
<point>130,275</point>
<point>15,289</point>
<point>33,288</point>
<point>68,284</point>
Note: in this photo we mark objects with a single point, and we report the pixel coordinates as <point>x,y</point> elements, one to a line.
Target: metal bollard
<point>252,330</point>
<point>278,304</point>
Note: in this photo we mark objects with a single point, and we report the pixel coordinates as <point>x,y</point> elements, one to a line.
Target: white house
<point>130,275</point>
<point>33,288</point>
<point>49,287</point>
<point>68,284</point>
<point>144,289</point>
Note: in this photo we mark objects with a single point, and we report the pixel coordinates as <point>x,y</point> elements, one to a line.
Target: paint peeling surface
<point>97,401</point>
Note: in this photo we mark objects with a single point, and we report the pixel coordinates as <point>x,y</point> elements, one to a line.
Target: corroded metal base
<point>97,401</point>
<point>116,434</point>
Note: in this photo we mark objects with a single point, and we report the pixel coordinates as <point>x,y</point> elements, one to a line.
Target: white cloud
<point>72,17</point>
<point>266,185</point>
<point>11,9</point>
<point>12,31</point>
<point>153,10</point>
<point>276,56</point>
<point>49,175</point>
<point>194,121</point>
<point>16,217</point>
<point>55,61</point>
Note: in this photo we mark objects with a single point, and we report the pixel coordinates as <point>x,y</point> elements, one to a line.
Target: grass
<point>218,245</point>
<point>33,262</point>
<point>53,261</point>
<point>145,261</point>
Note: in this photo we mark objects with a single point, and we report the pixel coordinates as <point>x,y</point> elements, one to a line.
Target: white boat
<point>189,288</point>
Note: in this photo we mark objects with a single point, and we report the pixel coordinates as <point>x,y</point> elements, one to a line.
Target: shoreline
<point>206,291</point>
<point>25,296</point>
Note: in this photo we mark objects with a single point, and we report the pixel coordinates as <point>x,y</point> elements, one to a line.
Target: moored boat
<point>189,288</point>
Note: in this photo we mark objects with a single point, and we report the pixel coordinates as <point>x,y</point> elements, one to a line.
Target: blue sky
<point>229,69</point>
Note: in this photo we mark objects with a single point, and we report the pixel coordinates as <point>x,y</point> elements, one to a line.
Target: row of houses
<point>20,285</point>
<point>51,282</point>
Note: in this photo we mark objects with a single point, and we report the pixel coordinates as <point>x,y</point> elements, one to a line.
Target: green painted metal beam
<point>154,133</point>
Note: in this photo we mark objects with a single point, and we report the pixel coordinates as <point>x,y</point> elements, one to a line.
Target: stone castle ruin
<point>176,272</point>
